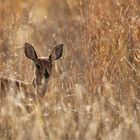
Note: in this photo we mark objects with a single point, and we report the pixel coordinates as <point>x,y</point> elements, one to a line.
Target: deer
<point>42,72</point>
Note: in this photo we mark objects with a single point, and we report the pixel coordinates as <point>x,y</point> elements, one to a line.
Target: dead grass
<point>94,90</point>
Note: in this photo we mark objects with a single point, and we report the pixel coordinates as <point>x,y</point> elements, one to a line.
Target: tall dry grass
<point>94,89</point>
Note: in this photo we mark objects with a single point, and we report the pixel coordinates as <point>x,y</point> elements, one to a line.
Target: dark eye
<point>37,66</point>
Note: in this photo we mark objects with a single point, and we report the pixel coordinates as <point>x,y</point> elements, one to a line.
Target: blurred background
<point>97,81</point>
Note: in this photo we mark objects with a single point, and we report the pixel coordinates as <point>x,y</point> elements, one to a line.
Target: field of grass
<point>94,92</point>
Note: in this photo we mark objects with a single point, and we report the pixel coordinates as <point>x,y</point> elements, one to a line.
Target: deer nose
<point>46,74</point>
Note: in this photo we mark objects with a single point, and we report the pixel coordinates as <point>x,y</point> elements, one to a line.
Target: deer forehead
<point>44,62</point>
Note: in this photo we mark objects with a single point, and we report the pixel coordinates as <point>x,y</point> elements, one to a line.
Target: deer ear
<point>56,52</point>
<point>30,52</point>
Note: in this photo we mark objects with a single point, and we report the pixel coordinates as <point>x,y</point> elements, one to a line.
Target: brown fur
<point>11,85</point>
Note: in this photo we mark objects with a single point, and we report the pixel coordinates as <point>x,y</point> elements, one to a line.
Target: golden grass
<point>94,89</point>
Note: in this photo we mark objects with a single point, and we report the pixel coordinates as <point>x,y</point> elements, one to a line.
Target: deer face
<point>43,68</point>
<point>43,65</point>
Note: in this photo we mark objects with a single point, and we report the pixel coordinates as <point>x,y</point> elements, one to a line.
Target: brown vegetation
<point>94,90</point>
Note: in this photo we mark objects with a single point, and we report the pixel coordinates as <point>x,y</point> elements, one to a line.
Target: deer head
<point>43,65</point>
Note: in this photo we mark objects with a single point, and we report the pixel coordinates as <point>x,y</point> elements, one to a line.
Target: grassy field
<point>94,92</point>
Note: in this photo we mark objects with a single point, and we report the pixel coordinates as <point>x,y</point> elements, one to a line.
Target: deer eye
<point>37,66</point>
